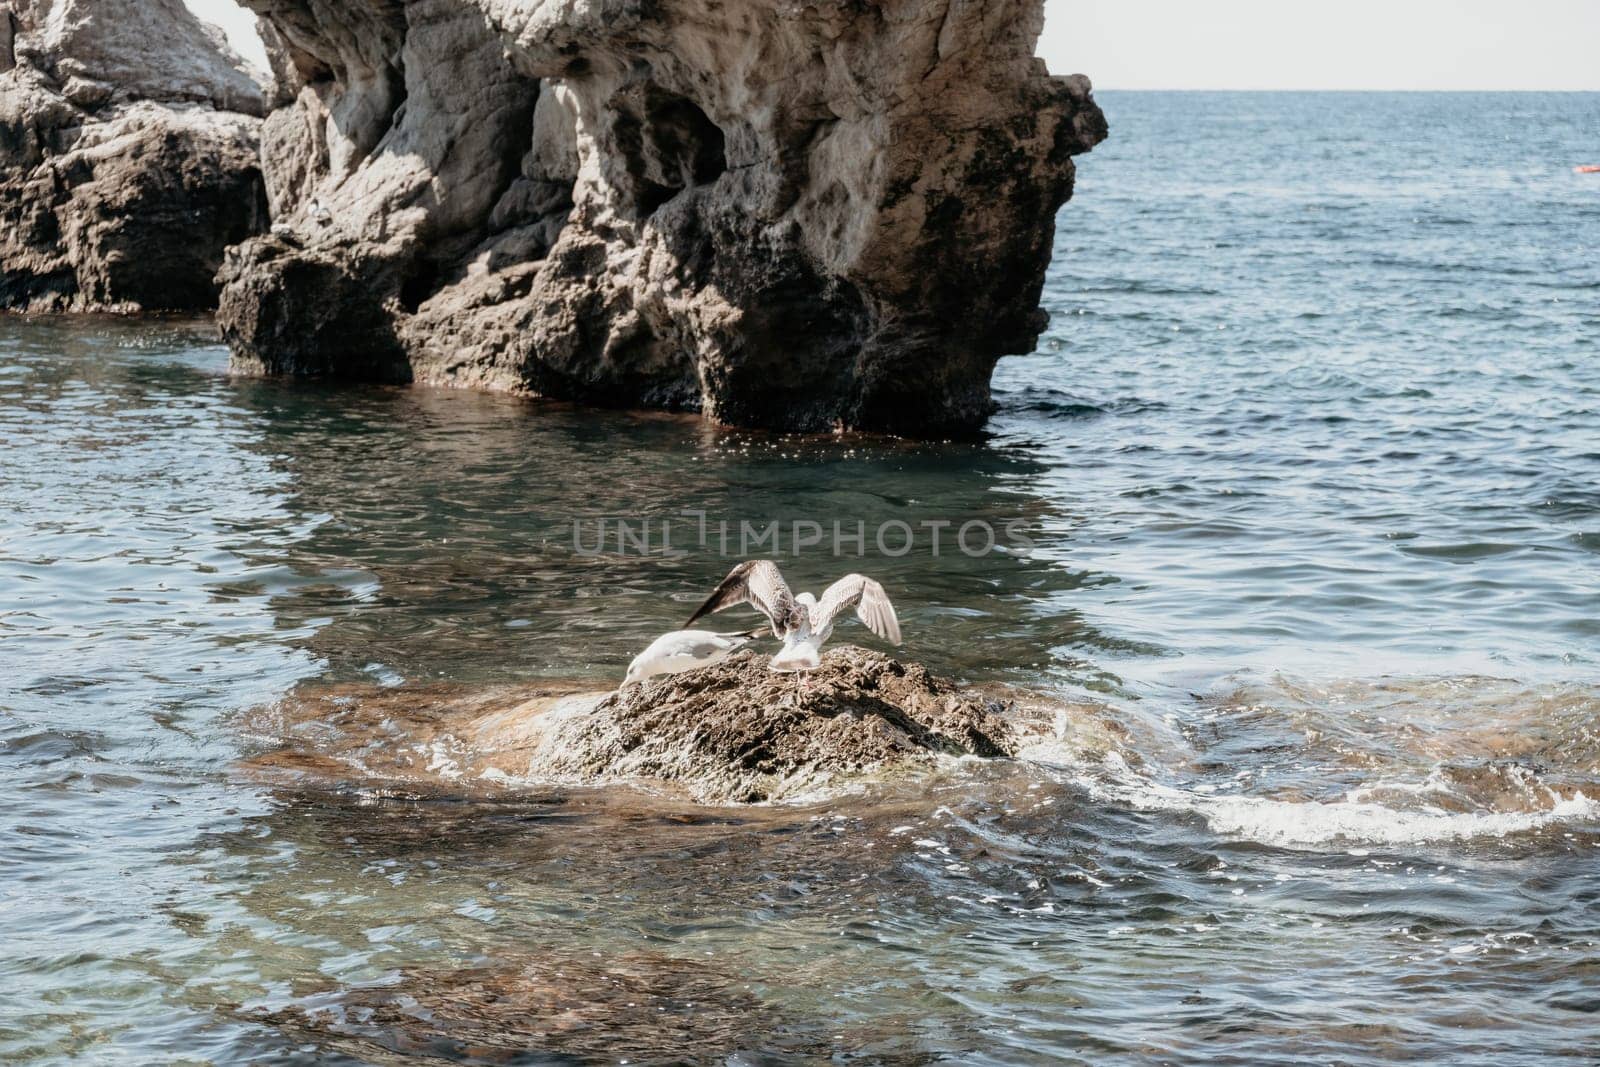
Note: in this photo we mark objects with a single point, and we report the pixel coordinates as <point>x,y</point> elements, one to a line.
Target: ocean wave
<point>1351,820</point>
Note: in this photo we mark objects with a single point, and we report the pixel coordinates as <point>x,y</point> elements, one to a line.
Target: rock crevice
<point>798,216</point>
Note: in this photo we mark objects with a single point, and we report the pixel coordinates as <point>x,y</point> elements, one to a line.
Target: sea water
<point>1307,461</point>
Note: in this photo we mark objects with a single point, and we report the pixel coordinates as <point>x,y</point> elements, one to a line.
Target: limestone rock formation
<point>799,215</point>
<point>128,155</point>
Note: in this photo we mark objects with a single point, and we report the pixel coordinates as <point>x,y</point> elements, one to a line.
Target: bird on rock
<point>802,622</point>
<point>683,650</point>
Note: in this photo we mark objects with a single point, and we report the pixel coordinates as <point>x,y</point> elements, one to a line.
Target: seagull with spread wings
<point>802,622</point>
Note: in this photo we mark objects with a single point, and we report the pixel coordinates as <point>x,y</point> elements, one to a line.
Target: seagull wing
<point>757,582</point>
<point>867,597</point>
<point>703,645</point>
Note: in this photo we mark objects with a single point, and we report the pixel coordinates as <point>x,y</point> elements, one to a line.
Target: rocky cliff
<point>128,155</point>
<point>798,215</point>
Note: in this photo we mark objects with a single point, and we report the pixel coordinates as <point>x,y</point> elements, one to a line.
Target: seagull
<point>802,622</point>
<point>683,650</point>
<point>319,212</point>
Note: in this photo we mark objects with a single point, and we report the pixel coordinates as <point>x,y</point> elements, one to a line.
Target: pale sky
<point>237,23</point>
<point>1325,44</point>
<point>1279,44</point>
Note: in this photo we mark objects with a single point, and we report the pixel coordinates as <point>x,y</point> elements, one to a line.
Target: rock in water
<point>802,216</point>
<point>733,732</point>
<point>128,156</point>
<point>737,732</point>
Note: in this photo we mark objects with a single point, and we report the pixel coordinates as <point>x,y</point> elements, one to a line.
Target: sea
<point>1295,512</point>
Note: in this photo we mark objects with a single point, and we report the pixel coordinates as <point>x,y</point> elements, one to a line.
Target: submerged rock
<point>730,733</point>
<point>546,1006</point>
<point>128,156</point>
<point>791,215</point>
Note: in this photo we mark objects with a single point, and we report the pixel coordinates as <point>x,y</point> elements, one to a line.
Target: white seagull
<point>683,650</point>
<point>802,622</point>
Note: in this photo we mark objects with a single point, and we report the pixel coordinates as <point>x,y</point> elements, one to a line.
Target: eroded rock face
<point>128,156</point>
<point>793,215</point>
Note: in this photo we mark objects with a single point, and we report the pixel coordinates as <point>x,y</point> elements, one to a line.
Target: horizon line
<point>1301,89</point>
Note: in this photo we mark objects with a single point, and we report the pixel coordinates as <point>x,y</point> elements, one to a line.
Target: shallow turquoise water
<point>1309,455</point>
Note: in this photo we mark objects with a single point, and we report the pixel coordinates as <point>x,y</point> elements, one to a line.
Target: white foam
<point>1310,823</point>
<point>1307,823</point>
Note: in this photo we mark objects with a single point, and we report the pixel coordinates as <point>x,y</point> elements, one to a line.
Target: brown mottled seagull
<point>802,622</point>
